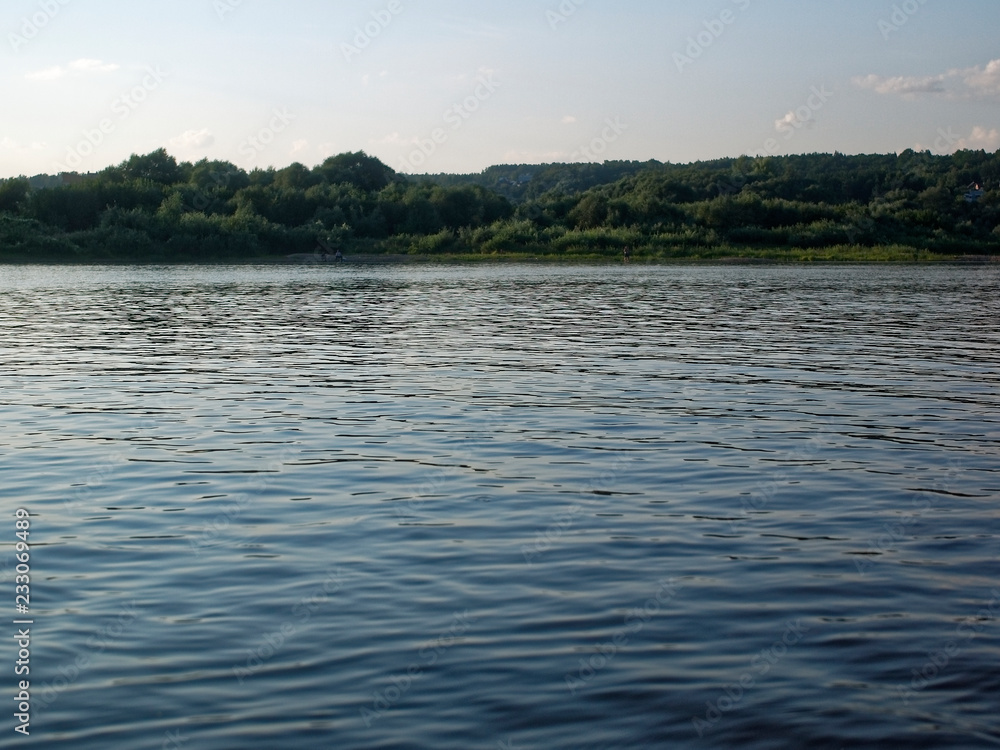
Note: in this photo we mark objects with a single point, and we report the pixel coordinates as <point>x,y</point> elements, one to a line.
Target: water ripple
<point>507,506</point>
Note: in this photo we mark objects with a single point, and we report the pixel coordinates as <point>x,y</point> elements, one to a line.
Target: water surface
<point>506,506</point>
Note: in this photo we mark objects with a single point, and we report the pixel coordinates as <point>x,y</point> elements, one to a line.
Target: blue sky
<point>448,86</point>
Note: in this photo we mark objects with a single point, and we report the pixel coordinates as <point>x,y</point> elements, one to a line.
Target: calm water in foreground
<point>505,507</point>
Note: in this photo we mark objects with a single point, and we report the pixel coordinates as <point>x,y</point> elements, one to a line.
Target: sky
<point>431,86</point>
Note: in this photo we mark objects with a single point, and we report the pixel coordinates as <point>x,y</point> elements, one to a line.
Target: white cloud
<point>193,139</point>
<point>83,66</point>
<point>299,146</point>
<point>902,85</point>
<point>979,82</point>
<point>568,120</point>
<point>784,122</point>
<point>86,65</point>
<point>793,120</point>
<point>395,139</point>
<point>949,142</point>
<point>11,145</point>
<point>366,79</point>
<point>49,74</point>
<point>984,81</point>
<point>535,157</point>
<point>981,138</point>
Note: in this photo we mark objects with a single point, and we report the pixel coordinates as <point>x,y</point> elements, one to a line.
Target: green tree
<point>158,166</point>
<point>13,193</point>
<point>358,169</point>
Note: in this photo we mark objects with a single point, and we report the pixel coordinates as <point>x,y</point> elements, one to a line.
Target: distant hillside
<point>519,183</point>
<point>153,208</point>
<point>43,181</point>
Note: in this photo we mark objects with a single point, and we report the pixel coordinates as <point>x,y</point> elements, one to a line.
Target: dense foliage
<point>152,208</point>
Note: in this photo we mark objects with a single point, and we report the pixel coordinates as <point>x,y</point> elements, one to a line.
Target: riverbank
<point>370,256</point>
<point>816,208</point>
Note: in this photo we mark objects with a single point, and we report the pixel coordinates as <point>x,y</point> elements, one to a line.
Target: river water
<point>512,506</point>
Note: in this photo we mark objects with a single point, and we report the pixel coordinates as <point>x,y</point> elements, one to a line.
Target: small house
<point>975,192</point>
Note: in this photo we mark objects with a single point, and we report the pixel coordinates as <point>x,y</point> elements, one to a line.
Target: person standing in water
<point>626,254</point>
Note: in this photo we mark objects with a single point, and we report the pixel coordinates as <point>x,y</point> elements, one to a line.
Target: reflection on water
<point>513,506</point>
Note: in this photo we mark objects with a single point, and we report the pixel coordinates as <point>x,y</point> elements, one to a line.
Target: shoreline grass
<point>723,254</point>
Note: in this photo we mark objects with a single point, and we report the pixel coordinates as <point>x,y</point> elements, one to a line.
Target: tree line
<point>151,208</point>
